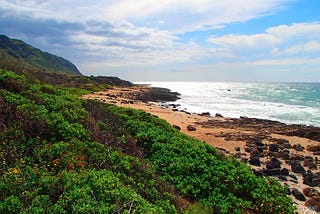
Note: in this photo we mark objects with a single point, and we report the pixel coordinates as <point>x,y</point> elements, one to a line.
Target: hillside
<point>63,154</point>
<point>16,54</point>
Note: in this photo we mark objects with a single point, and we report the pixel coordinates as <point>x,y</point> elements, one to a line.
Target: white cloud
<point>190,15</point>
<point>127,36</point>
<point>129,45</point>
<point>139,32</point>
<point>296,31</point>
<point>279,41</point>
<point>286,62</point>
<point>308,47</point>
<point>103,31</point>
<point>250,41</point>
<point>120,56</point>
<point>266,71</point>
<point>124,35</point>
<point>176,16</point>
<point>243,46</point>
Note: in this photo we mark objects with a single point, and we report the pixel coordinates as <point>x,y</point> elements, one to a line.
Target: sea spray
<point>292,103</point>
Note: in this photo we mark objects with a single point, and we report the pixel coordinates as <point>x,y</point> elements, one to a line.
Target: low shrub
<point>62,154</point>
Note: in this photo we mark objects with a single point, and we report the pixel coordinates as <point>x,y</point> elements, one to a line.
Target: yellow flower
<point>15,171</point>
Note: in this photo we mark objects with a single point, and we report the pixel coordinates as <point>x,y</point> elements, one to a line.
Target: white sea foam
<point>292,103</point>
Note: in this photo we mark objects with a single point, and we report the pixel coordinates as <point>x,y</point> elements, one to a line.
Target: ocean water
<point>291,103</point>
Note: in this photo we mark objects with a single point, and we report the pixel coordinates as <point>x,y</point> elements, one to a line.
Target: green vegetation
<point>62,154</point>
<point>16,54</point>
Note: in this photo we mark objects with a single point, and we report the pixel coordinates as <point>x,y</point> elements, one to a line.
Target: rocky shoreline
<point>288,153</point>
<point>269,126</point>
<point>153,94</point>
<point>269,154</point>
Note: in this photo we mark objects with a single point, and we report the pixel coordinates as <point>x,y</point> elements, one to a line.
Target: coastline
<point>284,102</point>
<point>270,148</point>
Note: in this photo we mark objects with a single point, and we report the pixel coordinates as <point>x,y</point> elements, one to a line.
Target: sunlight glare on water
<point>292,103</point>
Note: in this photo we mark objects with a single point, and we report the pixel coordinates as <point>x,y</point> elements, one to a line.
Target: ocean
<point>291,103</point>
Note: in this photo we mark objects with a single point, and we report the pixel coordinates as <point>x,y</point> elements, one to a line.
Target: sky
<point>175,40</point>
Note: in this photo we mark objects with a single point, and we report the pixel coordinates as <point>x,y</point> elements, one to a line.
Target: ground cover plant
<point>62,154</point>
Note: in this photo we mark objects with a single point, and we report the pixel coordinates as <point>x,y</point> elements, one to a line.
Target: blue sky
<point>171,40</point>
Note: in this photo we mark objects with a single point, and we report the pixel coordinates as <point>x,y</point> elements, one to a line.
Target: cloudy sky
<point>170,40</point>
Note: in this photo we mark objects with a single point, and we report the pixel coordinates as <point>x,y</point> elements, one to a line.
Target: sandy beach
<point>287,153</point>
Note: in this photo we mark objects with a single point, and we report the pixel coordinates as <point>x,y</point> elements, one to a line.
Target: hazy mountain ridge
<point>20,54</point>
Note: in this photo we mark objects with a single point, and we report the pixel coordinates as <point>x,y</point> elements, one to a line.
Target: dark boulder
<point>191,128</point>
<point>176,127</point>
<point>248,149</point>
<point>293,177</point>
<point>186,112</point>
<point>284,171</point>
<point>205,114</point>
<point>310,164</point>
<point>316,153</point>
<point>298,195</point>
<point>285,154</point>
<point>218,115</point>
<point>238,155</point>
<point>298,147</point>
<point>282,177</point>
<point>255,153</point>
<point>311,179</point>
<point>271,172</point>
<point>255,161</point>
<point>313,148</point>
<point>237,148</point>
<point>259,143</point>
<point>172,105</point>
<point>155,94</point>
<point>308,158</point>
<point>258,172</point>
<point>296,167</point>
<point>274,164</point>
<point>297,157</point>
<point>260,149</point>
<point>289,162</point>
<point>287,146</point>
<point>312,133</point>
<point>273,148</point>
<point>311,192</point>
<point>282,143</point>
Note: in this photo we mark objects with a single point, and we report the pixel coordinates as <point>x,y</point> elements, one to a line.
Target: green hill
<point>63,154</point>
<point>17,55</point>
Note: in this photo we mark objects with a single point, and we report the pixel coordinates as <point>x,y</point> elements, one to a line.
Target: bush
<point>199,172</point>
<point>62,154</point>
<point>100,191</point>
<point>11,204</point>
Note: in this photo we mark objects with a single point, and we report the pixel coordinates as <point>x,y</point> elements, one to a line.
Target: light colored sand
<point>180,119</point>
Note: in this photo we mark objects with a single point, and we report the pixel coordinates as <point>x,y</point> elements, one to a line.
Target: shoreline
<point>270,101</point>
<point>288,153</point>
